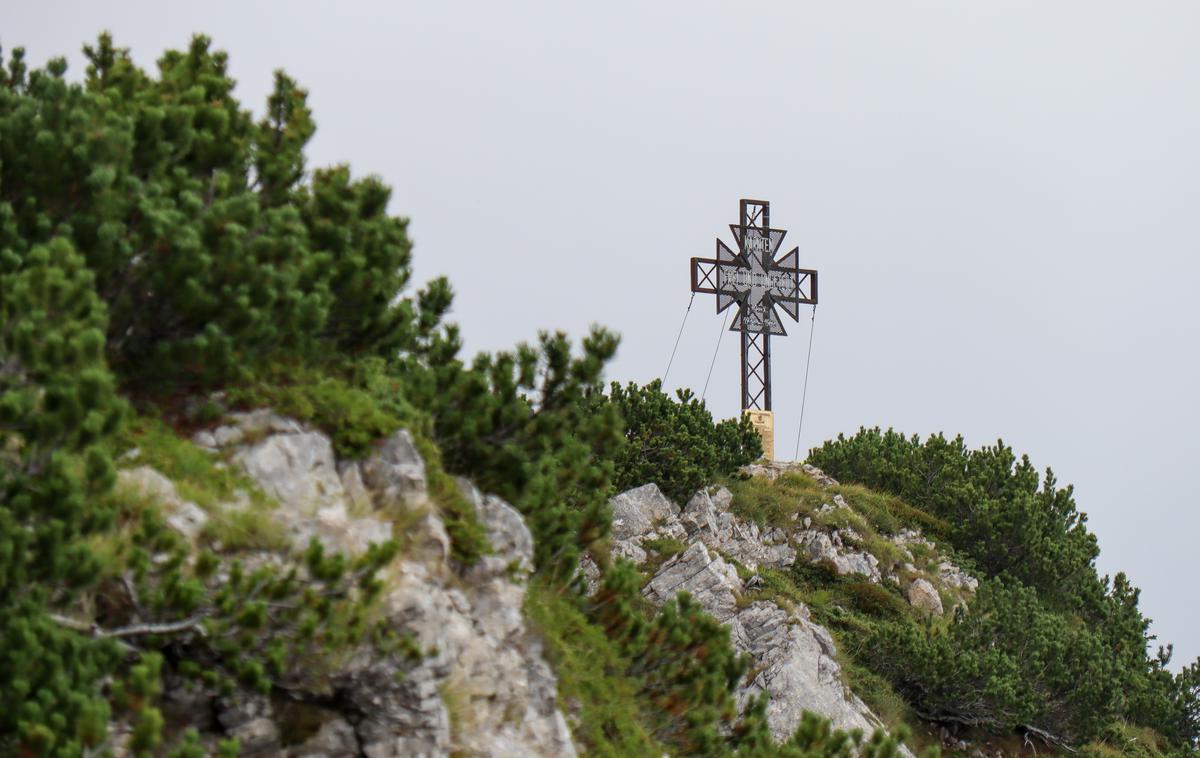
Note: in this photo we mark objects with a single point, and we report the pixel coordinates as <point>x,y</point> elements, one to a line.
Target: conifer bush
<point>675,443</point>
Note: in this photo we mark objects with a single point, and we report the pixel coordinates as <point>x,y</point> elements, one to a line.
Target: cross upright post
<point>756,279</point>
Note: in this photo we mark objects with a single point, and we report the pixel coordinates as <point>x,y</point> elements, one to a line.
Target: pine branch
<point>192,623</point>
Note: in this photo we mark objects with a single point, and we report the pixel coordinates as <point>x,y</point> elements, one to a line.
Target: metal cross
<point>756,279</point>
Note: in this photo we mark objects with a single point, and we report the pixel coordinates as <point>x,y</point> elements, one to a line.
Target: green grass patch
<point>354,411</point>
<point>199,476</point>
<point>603,706</point>
<point>779,503</point>
<point>239,513</point>
<point>665,546</point>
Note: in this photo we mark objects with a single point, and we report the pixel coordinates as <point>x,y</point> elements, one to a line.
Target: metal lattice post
<point>756,371</point>
<point>757,280</point>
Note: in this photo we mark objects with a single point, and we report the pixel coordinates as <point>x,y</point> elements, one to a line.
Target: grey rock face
<point>297,469</point>
<point>483,658</point>
<point>358,498</point>
<point>640,511</point>
<point>395,472</point>
<point>953,576</point>
<point>795,665</point>
<point>923,595</point>
<point>707,519</point>
<point>819,476</point>
<point>480,658</point>
<point>512,542</point>
<point>711,582</point>
<point>794,659</point>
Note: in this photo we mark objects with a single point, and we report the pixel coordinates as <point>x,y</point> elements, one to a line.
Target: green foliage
<point>592,671</point>
<point>681,657</point>
<point>347,410</point>
<point>1048,643</point>
<point>1004,663</point>
<point>530,426</point>
<point>675,443</point>
<point>1002,519</point>
<point>57,406</point>
<point>245,626</point>
<point>211,251</point>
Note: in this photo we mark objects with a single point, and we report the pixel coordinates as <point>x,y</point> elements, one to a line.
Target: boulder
<point>819,476</point>
<point>640,511</point>
<point>923,595</point>
<point>819,547</point>
<point>952,576</point>
<point>395,472</point>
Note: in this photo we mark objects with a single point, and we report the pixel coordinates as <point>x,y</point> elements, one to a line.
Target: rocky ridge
<point>794,658</point>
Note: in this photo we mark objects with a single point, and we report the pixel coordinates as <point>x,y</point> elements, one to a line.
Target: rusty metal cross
<point>756,279</point>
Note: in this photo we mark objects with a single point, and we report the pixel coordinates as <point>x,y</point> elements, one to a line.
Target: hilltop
<point>255,501</point>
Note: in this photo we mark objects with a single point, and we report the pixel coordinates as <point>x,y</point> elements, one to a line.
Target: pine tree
<point>57,403</point>
<point>675,443</point>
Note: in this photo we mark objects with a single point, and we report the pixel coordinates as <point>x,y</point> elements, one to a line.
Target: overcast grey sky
<point>1000,198</point>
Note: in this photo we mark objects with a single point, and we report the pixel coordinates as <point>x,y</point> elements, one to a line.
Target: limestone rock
<point>953,576</point>
<point>795,665</point>
<point>334,529</point>
<point>183,516</point>
<point>249,719</point>
<point>395,472</point>
<point>590,573</point>
<point>639,511</point>
<point>264,421</point>
<point>511,539</point>
<point>712,583</point>
<point>707,519</point>
<point>923,595</point>
<point>819,547</point>
<point>481,657</point>
<point>358,498</point>
<point>228,435</point>
<point>819,476</point>
<point>296,468</point>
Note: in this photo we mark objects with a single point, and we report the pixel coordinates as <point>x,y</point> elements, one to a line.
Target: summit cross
<point>756,279</point>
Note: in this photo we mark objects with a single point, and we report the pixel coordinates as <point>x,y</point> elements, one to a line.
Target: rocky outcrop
<point>828,548</point>
<point>796,666</point>
<point>484,688</point>
<point>481,685</point>
<point>644,513</point>
<point>794,659</point>
<point>707,519</point>
<point>706,577</point>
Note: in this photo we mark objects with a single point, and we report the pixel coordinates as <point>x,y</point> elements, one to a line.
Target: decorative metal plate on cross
<point>756,279</point>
